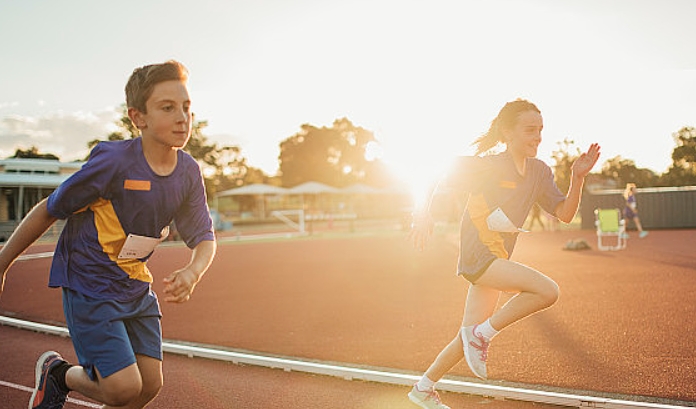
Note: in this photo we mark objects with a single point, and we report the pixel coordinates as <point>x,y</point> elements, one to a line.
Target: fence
<point>659,207</point>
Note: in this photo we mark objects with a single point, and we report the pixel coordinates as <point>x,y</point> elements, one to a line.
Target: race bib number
<point>498,221</point>
<point>137,246</point>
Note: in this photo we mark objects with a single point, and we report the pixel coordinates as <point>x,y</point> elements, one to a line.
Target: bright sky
<point>426,76</point>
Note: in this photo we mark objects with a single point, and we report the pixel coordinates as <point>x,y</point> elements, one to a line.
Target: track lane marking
<point>23,388</point>
<point>371,374</point>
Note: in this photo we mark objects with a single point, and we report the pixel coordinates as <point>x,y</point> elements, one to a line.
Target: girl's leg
<point>639,226</point>
<point>480,304</point>
<point>535,292</point>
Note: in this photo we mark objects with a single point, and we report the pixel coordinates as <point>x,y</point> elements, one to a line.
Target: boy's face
<point>168,119</point>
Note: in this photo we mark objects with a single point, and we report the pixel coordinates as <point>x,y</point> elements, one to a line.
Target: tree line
<point>339,156</point>
<point>618,171</point>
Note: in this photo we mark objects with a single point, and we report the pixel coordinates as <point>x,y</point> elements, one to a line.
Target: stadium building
<point>23,183</point>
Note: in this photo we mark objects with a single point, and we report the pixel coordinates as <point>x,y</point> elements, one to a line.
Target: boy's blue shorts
<point>107,334</point>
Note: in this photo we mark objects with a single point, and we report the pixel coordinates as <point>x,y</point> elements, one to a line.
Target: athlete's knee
<point>151,389</point>
<point>122,393</point>
<point>549,293</point>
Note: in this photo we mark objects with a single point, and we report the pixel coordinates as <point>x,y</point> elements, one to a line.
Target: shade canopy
<point>254,189</point>
<point>312,188</point>
<point>307,188</point>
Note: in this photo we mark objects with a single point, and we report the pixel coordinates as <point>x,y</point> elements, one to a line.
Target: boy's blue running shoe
<point>47,394</point>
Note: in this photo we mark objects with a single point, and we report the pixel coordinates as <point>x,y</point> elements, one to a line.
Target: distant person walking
<point>631,209</point>
<point>502,189</point>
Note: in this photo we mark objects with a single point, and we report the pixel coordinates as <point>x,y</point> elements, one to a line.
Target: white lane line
<point>30,390</point>
<point>375,375</point>
<point>33,256</point>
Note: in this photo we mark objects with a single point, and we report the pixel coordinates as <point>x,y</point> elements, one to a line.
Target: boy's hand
<point>179,285</point>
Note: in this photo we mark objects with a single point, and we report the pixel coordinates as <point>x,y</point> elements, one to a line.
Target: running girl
<point>501,188</point>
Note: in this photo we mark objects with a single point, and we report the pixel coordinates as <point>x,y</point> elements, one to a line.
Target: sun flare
<point>418,172</point>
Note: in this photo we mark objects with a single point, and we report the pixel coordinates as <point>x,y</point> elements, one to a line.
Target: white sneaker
<point>475,350</point>
<point>426,399</point>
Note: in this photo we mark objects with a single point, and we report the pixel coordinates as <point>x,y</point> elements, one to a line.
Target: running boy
<point>117,209</point>
<point>502,188</point>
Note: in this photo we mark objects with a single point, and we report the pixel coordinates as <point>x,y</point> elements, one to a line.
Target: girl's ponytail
<point>490,139</point>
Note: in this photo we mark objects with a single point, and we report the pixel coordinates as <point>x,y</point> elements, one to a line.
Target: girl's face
<point>523,139</point>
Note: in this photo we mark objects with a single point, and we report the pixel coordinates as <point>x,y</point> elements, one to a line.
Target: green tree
<point>125,128</point>
<point>682,172</point>
<point>335,156</point>
<point>223,167</point>
<point>564,157</point>
<point>33,153</point>
<point>623,171</point>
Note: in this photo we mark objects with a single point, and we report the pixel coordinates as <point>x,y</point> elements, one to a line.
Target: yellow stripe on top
<point>111,238</point>
<point>478,211</point>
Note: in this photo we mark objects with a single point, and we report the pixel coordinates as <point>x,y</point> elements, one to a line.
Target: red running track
<point>622,326</point>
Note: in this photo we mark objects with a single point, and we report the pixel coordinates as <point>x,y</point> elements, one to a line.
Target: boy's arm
<point>180,284</point>
<point>34,224</point>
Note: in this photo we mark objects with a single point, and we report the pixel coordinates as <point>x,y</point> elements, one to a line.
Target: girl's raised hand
<point>584,164</point>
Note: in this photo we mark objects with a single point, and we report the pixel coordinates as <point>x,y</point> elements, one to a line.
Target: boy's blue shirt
<point>114,194</point>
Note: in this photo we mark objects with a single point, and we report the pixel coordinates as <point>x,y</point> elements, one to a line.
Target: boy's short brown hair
<point>143,80</point>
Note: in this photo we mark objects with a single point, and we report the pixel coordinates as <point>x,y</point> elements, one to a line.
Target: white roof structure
<point>254,189</point>
<point>307,188</point>
<point>49,173</point>
<point>31,180</point>
<point>313,188</point>
<point>362,189</point>
<point>38,176</point>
